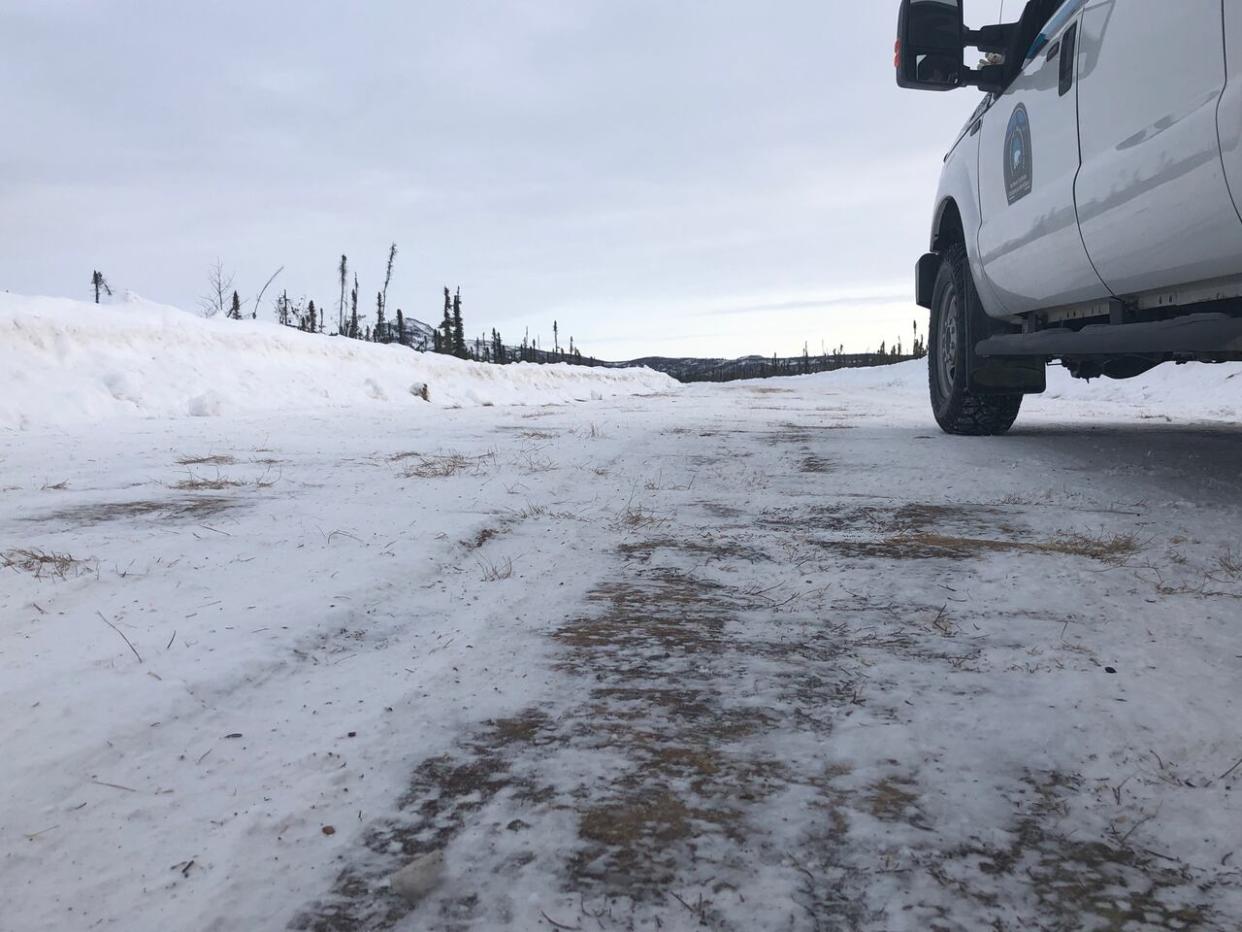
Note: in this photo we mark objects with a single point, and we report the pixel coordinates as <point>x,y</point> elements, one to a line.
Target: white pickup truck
<point>1089,210</point>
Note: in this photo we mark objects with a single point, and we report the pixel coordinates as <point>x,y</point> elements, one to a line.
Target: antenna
<point>1001,18</point>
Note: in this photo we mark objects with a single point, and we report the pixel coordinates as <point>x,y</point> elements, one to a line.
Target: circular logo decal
<point>1019,161</point>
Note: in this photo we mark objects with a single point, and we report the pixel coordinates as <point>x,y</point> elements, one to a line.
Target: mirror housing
<point>931,45</point>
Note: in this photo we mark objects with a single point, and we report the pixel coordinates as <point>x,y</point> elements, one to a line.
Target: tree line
<point>449,336</point>
<point>352,322</point>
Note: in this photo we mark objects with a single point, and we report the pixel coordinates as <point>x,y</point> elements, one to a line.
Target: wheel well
<point>947,230</point>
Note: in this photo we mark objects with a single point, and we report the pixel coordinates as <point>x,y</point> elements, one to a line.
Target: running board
<point>1195,334</point>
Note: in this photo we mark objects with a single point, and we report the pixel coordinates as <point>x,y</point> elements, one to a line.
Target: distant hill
<point>419,336</point>
<point>694,369</point>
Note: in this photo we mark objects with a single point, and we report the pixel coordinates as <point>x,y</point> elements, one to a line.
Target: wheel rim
<point>946,356</point>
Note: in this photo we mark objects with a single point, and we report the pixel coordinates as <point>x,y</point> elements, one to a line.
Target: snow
<point>771,655</point>
<point>1194,391</point>
<point>65,362</point>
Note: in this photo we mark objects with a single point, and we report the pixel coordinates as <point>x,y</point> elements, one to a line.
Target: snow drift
<point>1195,391</point>
<point>65,362</point>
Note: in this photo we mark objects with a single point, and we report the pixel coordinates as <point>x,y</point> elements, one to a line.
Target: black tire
<point>958,408</point>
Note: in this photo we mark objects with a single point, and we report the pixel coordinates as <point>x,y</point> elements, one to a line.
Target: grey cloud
<point>548,155</point>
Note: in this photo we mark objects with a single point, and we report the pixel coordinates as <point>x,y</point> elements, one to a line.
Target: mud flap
<point>992,375</point>
<point>1008,377</point>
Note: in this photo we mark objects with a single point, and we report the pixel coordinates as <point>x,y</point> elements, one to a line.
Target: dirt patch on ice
<point>191,509</point>
<point>444,794</point>
<point>892,799</point>
<point>693,769</point>
<point>815,464</point>
<point>483,537</point>
<point>1108,549</point>
<point>688,759</point>
<point>667,610</point>
<point>872,520</point>
<point>931,531</point>
<point>690,722</point>
<point>708,547</point>
<point>1077,882</point>
<point>801,433</point>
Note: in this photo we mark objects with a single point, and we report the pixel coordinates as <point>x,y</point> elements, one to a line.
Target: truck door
<point>1029,241</point>
<point>1153,202</point>
<point>1229,116</point>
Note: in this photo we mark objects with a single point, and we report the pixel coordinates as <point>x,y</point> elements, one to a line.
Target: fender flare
<point>946,231</point>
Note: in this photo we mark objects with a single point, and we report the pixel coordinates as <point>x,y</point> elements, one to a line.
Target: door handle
<point>1069,46</point>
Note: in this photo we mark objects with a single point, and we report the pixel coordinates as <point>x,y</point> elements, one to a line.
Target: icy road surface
<point>774,656</point>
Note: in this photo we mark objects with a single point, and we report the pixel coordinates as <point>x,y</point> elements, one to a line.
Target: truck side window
<point>1035,17</point>
<point>1062,16</point>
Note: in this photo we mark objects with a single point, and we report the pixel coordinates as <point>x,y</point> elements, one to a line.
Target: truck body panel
<point>1152,200</point>
<point>1229,114</point>
<point>1028,164</point>
<point>959,187</point>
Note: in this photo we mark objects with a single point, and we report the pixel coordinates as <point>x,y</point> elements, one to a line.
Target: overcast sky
<point>661,176</point>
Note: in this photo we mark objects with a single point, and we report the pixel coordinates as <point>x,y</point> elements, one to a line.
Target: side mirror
<point>931,45</point>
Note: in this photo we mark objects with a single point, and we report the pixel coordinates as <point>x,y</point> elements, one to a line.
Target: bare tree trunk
<point>259,299</point>
<point>340,315</point>
<point>392,257</point>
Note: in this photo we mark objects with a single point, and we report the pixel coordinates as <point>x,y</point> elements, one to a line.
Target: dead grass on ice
<point>220,482</point>
<point>213,460</point>
<point>443,465</point>
<point>495,572</point>
<point>639,518</point>
<point>43,564</point>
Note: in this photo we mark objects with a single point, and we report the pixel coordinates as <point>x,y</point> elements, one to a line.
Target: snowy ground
<point>759,656</point>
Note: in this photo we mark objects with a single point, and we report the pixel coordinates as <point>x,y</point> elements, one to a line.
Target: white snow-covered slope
<point>1194,391</point>
<point>66,362</point>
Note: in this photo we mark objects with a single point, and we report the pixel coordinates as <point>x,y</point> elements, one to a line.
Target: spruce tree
<point>446,326</point>
<point>353,310</point>
<point>459,332</point>
<point>380,329</point>
<point>400,327</point>
<point>310,317</point>
<point>235,308</point>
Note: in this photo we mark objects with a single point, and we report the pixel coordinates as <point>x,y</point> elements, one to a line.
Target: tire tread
<point>963,411</point>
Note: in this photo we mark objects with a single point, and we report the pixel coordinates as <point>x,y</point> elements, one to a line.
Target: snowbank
<point>65,362</point>
<point>1195,390</point>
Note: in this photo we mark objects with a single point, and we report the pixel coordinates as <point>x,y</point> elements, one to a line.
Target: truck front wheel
<point>959,408</point>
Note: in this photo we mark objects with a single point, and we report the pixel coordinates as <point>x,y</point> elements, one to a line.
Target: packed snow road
<point>758,656</point>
